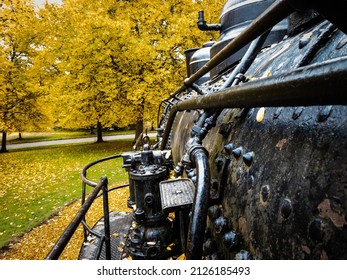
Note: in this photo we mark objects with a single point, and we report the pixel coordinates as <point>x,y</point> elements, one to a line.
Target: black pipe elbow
<point>198,219</point>
<point>202,25</point>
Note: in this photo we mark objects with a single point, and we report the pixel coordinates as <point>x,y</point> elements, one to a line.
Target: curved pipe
<point>202,25</point>
<point>199,212</point>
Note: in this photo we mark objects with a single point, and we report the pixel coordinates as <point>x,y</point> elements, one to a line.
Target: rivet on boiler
<point>248,158</point>
<point>237,152</point>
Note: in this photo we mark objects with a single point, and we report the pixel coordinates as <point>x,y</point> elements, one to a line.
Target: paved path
<point>71,141</point>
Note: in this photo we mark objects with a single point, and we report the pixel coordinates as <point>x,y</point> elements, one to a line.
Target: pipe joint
<point>194,150</point>
<point>202,25</point>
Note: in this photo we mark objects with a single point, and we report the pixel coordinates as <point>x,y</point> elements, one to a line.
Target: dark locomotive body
<point>256,140</point>
<point>288,199</point>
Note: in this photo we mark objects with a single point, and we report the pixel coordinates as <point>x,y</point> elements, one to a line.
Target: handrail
<point>70,230</point>
<point>86,228</point>
<point>80,216</point>
<point>84,170</point>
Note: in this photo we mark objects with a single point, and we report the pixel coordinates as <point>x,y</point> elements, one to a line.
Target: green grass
<point>38,183</point>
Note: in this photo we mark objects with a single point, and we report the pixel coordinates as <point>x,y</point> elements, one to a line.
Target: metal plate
<point>176,193</point>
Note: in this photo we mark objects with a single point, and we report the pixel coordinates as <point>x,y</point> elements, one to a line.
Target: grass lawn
<point>38,183</point>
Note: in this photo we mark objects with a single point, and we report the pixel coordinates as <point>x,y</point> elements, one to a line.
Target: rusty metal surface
<point>278,173</point>
<point>290,201</point>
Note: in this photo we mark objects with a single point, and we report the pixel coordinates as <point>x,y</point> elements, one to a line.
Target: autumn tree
<point>116,60</point>
<point>85,42</point>
<point>154,64</point>
<point>21,98</point>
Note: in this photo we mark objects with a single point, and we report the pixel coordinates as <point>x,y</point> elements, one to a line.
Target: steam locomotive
<point>250,158</point>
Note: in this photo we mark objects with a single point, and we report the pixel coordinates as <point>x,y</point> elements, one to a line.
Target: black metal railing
<point>79,218</point>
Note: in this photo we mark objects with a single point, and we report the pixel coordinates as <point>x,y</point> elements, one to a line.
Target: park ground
<point>41,193</point>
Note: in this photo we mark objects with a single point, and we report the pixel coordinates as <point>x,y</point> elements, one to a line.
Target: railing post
<point>70,230</point>
<point>104,183</point>
<point>85,234</point>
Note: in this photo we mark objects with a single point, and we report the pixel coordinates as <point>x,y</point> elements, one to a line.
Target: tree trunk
<point>99,128</point>
<point>20,136</point>
<point>138,129</point>
<point>139,121</point>
<point>3,142</point>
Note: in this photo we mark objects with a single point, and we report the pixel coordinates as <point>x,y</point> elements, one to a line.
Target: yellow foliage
<point>21,97</point>
<point>96,61</point>
<point>117,60</point>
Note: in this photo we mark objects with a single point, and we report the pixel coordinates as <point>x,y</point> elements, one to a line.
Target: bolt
<point>228,148</point>
<point>139,215</point>
<point>214,212</point>
<point>286,208</point>
<point>231,240</point>
<point>265,193</point>
<point>209,246</point>
<point>304,40</point>
<point>278,112</point>
<point>242,255</point>
<point>248,158</point>
<point>297,112</point>
<point>237,152</point>
<point>178,169</point>
<point>225,129</point>
<point>250,181</point>
<point>220,225</point>
<point>324,114</point>
<point>219,161</point>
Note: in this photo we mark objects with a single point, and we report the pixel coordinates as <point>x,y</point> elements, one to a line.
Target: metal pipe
<point>323,84</point>
<point>198,218</point>
<point>202,25</point>
<point>70,230</point>
<point>106,219</point>
<point>322,39</point>
<point>270,17</point>
<point>168,126</point>
<point>99,248</point>
<point>247,59</point>
<point>86,228</point>
<point>278,11</point>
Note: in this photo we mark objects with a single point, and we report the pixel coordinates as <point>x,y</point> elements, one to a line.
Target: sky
<point>40,3</point>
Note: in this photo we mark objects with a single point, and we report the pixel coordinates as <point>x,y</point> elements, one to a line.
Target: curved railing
<point>79,218</point>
